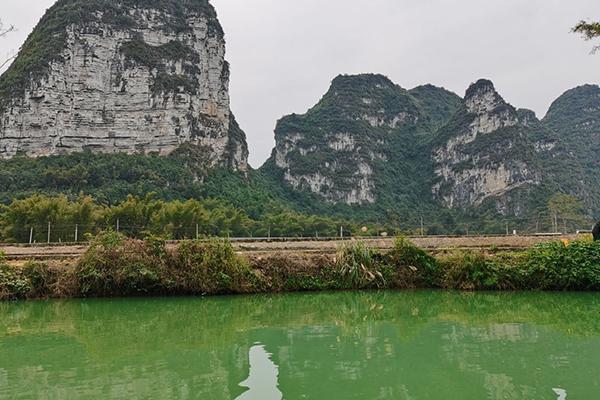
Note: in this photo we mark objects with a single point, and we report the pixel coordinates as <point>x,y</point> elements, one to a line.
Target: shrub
<point>560,266</point>
<point>115,266</point>
<point>39,277</point>
<point>210,267</point>
<point>50,279</point>
<point>474,270</point>
<point>360,266</point>
<point>13,285</point>
<point>413,265</point>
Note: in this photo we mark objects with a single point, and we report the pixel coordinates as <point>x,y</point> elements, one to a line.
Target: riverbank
<point>16,253</point>
<point>115,266</point>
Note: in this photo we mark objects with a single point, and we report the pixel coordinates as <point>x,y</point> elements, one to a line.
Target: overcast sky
<point>284,53</point>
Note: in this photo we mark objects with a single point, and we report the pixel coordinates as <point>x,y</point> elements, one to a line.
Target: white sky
<point>284,53</point>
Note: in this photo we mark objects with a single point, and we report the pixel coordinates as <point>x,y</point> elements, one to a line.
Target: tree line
<point>41,218</point>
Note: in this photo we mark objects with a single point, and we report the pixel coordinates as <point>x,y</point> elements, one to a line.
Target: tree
<point>565,208</point>
<point>589,30</point>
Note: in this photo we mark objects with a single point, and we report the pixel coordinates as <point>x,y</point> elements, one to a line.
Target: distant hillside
<point>371,148</point>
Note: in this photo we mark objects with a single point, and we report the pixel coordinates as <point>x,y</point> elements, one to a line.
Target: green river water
<point>365,345</point>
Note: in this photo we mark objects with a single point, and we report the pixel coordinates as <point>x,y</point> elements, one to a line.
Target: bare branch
<point>5,31</point>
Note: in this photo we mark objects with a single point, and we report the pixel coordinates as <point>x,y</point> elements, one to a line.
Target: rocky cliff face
<point>484,151</point>
<point>370,142</point>
<point>130,76</point>
<point>352,140</point>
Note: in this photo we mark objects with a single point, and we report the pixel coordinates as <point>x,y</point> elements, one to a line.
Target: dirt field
<point>17,253</point>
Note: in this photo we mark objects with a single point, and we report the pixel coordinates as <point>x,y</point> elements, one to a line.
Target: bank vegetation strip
<point>113,265</point>
<point>15,252</point>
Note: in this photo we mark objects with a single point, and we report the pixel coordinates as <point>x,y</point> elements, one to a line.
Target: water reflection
<point>561,393</point>
<point>262,382</point>
<point>407,345</point>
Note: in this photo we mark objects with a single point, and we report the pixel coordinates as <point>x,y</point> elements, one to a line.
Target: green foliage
<point>139,217</point>
<point>468,270</point>
<point>571,166</point>
<point>43,280</point>
<point>36,212</point>
<point>142,53</point>
<point>210,267</point>
<point>589,30</point>
<point>556,266</point>
<point>568,209</point>
<point>13,284</point>
<point>413,263</point>
<point>116,266</point>
<point>439,104</point>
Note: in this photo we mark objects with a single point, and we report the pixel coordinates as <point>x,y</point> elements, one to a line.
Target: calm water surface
<point>405,345</point>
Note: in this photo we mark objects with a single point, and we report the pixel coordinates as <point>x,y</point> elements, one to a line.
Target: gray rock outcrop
<point>147,81</point>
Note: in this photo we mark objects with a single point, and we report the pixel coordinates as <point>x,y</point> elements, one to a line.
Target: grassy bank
<point>116,266</point>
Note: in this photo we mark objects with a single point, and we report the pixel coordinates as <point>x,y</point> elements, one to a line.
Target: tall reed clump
<point>361,267</point>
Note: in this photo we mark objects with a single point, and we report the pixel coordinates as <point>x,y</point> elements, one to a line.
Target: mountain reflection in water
<point>262,382</point>
<point>425,345</point>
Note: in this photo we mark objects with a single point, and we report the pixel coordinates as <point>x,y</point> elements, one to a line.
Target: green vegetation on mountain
<point>438,104</point>
<point>574,118</point>
<point>543,158</point>
<point>381,125</point>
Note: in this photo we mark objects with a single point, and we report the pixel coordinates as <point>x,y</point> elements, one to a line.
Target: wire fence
<point>80,233</point>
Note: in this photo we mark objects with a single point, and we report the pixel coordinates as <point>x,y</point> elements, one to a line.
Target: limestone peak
<point>122,77</point>
<point>482,97</point>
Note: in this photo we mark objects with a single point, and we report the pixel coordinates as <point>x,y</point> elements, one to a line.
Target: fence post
<point>197,232</point>
<point>76,232</point>
<point>118,225</point>
<point>49,227</point>
<point>31,235</point>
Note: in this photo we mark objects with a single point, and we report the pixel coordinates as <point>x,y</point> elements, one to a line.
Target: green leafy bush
<point>413,265</point>
<point>114,266</point>
<point>13,284</point>
<point>559,266</point>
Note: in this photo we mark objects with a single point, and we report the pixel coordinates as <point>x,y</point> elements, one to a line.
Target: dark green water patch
<point>363,345</point>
